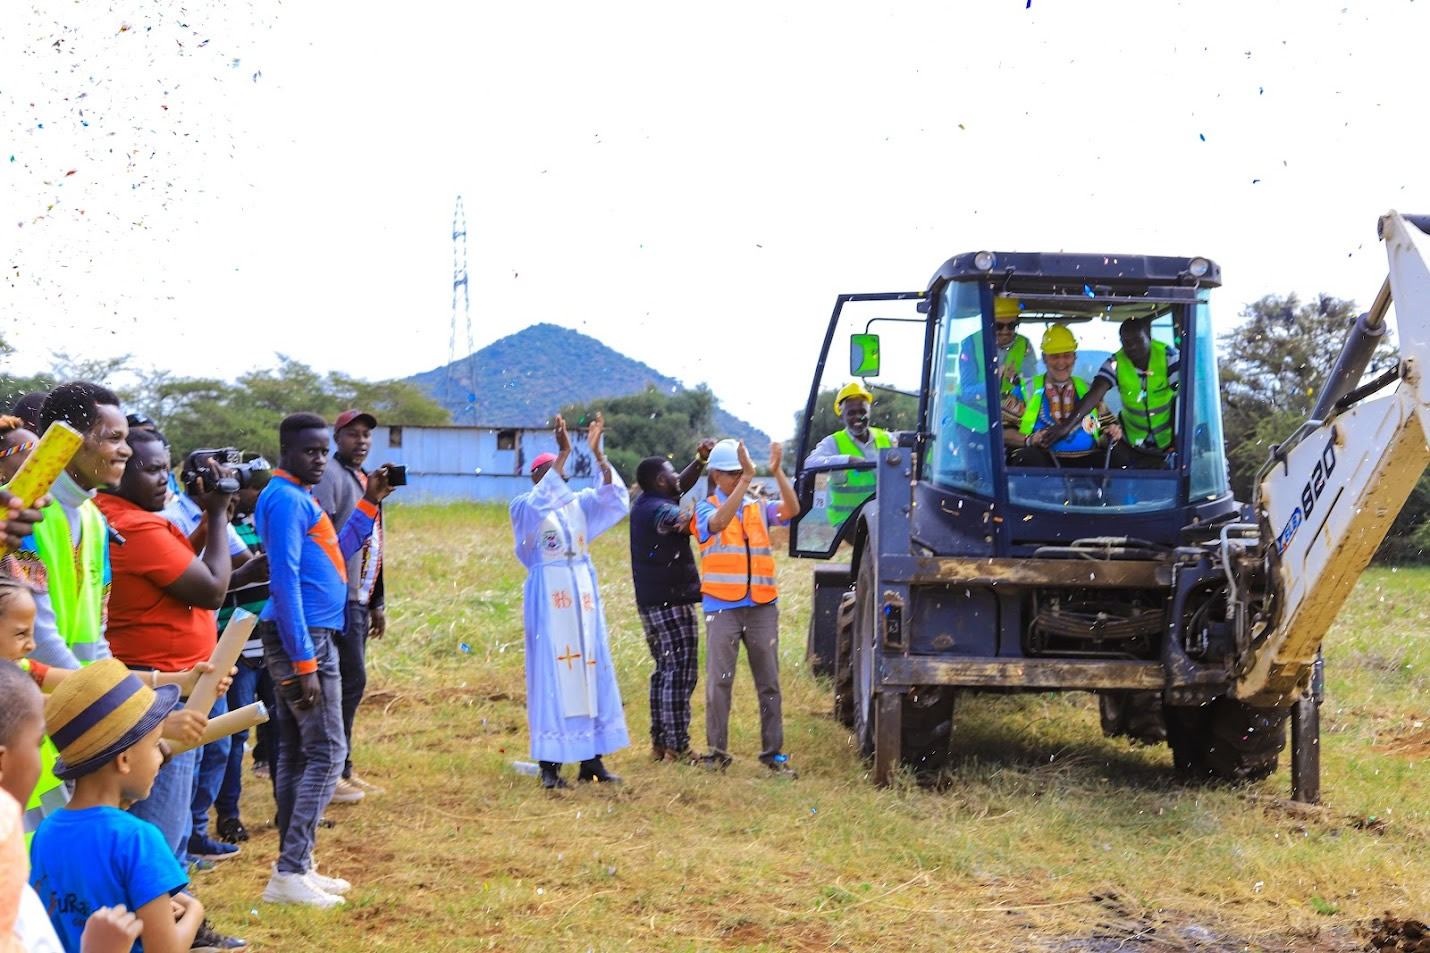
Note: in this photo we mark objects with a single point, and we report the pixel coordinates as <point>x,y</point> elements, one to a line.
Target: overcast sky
<point>690,184</point>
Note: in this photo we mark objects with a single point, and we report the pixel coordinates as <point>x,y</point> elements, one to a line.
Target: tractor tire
<point>843,662</point>
<point>861,657</point>
<point>1135,715</point>
<point>928,729</point>
<point>1226,741</point>
<point>926,716</point>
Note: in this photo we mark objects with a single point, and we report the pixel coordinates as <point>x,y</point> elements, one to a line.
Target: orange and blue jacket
<point>307,563</point>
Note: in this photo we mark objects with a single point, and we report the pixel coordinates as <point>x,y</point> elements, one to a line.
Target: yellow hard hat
<point>855,389</point>
<point>1057,339</point>
<point>1006,308</point>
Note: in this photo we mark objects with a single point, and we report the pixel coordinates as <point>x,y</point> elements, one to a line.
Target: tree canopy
<point>650,423</point>
<point>199,412</point>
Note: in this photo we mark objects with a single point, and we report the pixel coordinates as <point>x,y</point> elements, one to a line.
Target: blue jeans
<point>208,774</point>
<point>168,805</point>
<point>241,694</point>
<point>311,747</point>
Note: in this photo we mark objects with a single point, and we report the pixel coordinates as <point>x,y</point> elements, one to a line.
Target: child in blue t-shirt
<point>106,724</point>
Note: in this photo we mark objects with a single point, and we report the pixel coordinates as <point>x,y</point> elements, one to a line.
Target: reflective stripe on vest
<point>1146,409</point>
<point>49,794</point>
<point>78,576</point>
<point>1034,406</point>
<point>972,415</point>
<point>739,561</point>
<point>849,488</point>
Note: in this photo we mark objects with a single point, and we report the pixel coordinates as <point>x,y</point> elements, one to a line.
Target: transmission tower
<point>457,392</point>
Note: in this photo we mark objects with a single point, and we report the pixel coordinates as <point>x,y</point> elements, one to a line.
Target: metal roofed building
<point>479,464</point>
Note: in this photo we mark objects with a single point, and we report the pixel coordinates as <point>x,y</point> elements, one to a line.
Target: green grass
<point>1046,833</point>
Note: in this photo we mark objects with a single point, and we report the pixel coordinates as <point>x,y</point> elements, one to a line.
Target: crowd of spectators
<point>114,589</point>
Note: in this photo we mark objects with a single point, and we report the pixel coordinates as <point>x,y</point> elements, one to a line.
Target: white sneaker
<point>347,793</point>
<point>297,888</point>
<point>336,886</point>
<point>363,784</point>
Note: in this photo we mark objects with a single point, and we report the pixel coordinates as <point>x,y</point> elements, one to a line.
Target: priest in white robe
<point>573,705</point>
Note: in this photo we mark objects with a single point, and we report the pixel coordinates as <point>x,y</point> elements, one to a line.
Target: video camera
<point>254,473</point>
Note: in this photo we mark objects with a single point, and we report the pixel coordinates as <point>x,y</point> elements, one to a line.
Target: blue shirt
<point>704,509</point>
<point>307,563</point>
<point>99,857</point>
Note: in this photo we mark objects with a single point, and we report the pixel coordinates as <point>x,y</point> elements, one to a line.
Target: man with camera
<point>161,602</point>
<point>338,493</point>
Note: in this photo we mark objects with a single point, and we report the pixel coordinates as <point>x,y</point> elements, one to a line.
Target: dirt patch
<point>1394,935</point>
<point>1122,929</point>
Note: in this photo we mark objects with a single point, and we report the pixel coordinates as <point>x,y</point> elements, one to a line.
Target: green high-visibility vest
<point>49,795</point>
<point>849,488</point>
<point>1035,404</point>
<point>970,413</point>
<point>78,576</point>
<point>1146,410</point>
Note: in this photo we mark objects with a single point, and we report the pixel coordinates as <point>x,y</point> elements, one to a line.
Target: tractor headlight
<point>984,260</point>
<point>1198,267</point>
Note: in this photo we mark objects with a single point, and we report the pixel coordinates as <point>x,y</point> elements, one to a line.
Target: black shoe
<point>551,775</point>
<point>712,761</point>
<point>780,765</point>
<point>209,940</point>
<point>231,829</point>
<point>593,770</point>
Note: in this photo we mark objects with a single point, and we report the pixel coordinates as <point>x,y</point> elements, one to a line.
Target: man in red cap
<point>338,493</point>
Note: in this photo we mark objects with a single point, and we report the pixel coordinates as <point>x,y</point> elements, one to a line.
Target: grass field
<point>1049,836</point>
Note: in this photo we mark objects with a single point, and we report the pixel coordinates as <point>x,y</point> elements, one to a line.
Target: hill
<point>524,376</point>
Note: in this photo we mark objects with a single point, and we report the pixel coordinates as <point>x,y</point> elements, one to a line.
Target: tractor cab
<point>999,347</point>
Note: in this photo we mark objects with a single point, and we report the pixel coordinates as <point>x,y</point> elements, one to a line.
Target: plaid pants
<point>673,634</point>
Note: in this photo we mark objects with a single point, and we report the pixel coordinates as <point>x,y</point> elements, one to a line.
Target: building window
<point>394,436</point>
<point>506,439</point>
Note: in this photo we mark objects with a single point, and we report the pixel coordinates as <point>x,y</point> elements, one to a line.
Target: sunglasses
<point>1005,325</point>
<point>18,448</point>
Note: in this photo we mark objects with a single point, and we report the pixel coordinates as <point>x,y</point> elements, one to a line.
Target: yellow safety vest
<point>970,413</point>
<point>1146,408</point>
<point>849,488</point>
<point>49,794</point>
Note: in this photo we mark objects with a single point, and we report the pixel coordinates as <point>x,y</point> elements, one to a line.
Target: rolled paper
<point>240,719</point>
<point>230,644</point>
<point>45,464</point>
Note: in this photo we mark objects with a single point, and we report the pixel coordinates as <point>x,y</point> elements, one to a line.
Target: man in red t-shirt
<point>161,604</point>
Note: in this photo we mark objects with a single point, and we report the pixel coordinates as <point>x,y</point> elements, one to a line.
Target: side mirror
<point>864,355</point>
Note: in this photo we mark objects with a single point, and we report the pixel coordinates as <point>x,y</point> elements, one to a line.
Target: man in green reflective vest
<point>857,441</point>
<point>65,558</point>
<point>1014,361</point>
<point>1145,373</point>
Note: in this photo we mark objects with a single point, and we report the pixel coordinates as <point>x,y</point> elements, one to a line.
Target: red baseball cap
<point>351,416</point>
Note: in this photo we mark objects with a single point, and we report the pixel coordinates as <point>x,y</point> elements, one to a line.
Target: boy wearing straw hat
<point>107,724</point>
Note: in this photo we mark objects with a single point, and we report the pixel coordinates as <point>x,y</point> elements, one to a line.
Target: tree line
<point>196,412</point>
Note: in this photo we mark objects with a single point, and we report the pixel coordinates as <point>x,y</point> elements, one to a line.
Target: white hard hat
<point>725,456</point>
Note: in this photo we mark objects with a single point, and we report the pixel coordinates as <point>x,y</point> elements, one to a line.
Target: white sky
<point>691,184</point>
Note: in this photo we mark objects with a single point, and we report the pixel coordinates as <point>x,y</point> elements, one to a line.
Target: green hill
<point>523,377</point>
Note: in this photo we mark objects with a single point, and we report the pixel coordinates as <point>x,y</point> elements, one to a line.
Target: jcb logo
<point>1310,494</point>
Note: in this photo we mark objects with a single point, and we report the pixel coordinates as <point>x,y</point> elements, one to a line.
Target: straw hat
<point>100,711</point>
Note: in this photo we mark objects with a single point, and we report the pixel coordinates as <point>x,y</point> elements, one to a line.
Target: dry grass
<point>1048,837</point>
